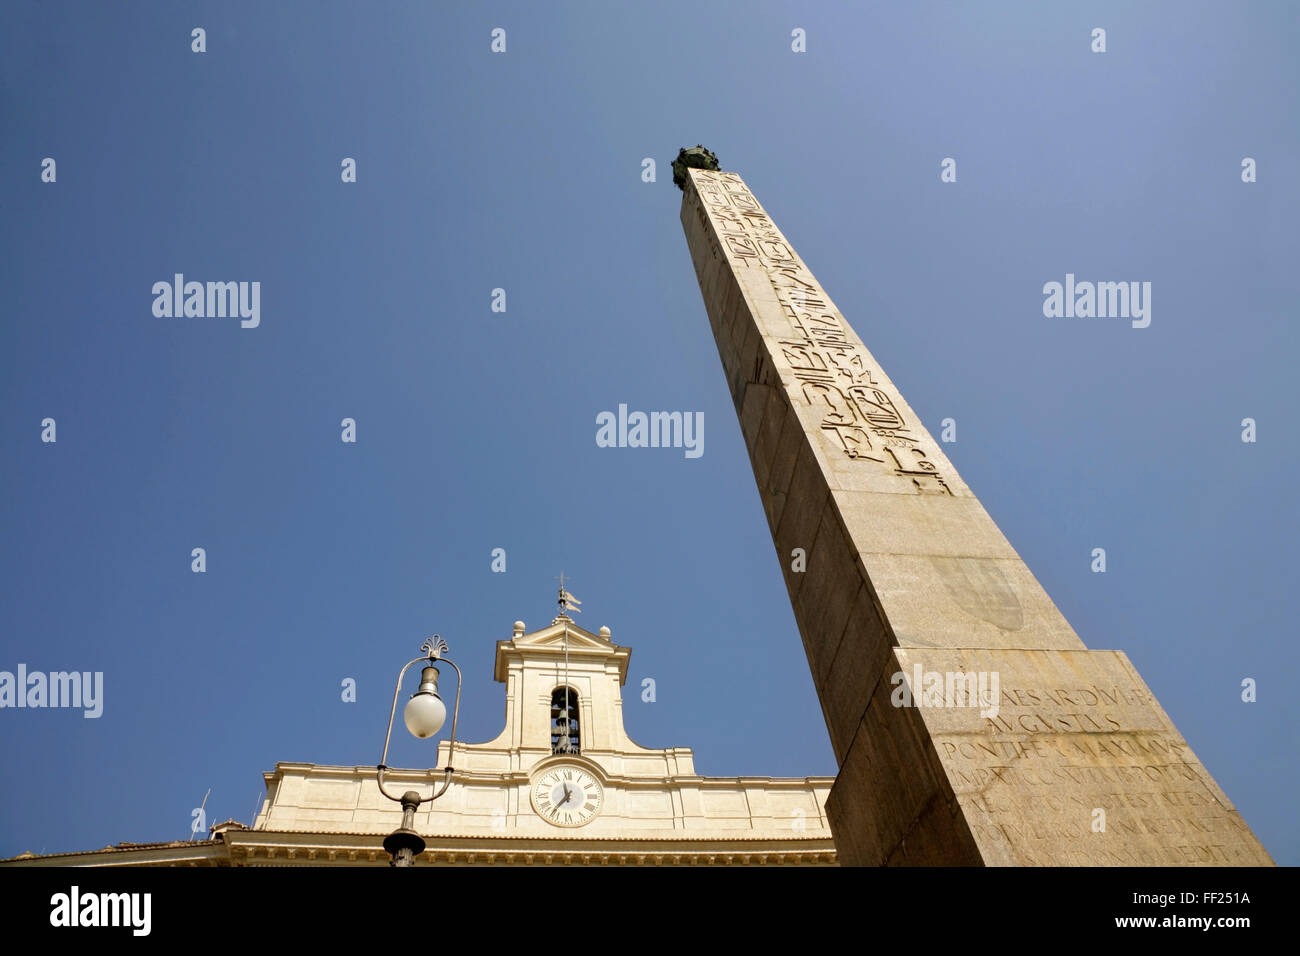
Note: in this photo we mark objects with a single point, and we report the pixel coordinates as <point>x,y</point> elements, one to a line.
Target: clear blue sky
<point>476,430</point>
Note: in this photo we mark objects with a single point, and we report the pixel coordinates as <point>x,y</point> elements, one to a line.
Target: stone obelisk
<point>970,723</point>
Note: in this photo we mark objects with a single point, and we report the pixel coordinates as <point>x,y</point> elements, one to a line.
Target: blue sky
<point>476,429</point>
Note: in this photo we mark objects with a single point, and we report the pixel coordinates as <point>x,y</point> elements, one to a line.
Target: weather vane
<point>567,601</point>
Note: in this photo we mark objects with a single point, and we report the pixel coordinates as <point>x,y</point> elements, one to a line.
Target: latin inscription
<point>1036,776</point>
<point>1078,765</point>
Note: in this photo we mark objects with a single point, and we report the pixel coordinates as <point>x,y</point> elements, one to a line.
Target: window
<point>564,721</point>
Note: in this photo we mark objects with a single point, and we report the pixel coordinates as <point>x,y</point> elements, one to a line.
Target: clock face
<point>567,796</point>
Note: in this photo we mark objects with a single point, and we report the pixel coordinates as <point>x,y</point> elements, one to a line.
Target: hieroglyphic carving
<point>832,371</point>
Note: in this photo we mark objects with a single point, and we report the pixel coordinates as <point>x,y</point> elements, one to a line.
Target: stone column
<point>970,723</point>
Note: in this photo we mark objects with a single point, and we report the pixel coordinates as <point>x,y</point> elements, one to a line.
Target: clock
<point>567,795</point>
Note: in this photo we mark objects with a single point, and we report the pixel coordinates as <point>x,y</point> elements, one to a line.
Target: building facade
<point>561,784</point>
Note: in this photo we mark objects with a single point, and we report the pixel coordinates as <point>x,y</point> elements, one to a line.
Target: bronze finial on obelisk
<point>694,157</point>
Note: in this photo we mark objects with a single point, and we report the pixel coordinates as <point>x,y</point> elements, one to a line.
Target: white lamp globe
<point>425,713</point>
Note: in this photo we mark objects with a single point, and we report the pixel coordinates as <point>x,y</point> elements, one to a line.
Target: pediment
<point>554,635</point>
<point>581,643</point>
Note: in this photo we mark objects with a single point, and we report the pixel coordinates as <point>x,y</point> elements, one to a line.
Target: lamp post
<point>424,715</point>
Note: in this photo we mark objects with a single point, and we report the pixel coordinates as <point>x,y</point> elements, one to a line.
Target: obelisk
<point>970,723</point>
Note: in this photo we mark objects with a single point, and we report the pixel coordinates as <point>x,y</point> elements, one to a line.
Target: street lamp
<point>424,714</point>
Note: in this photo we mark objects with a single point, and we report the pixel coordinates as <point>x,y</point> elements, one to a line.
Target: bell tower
<point>538,669</point>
